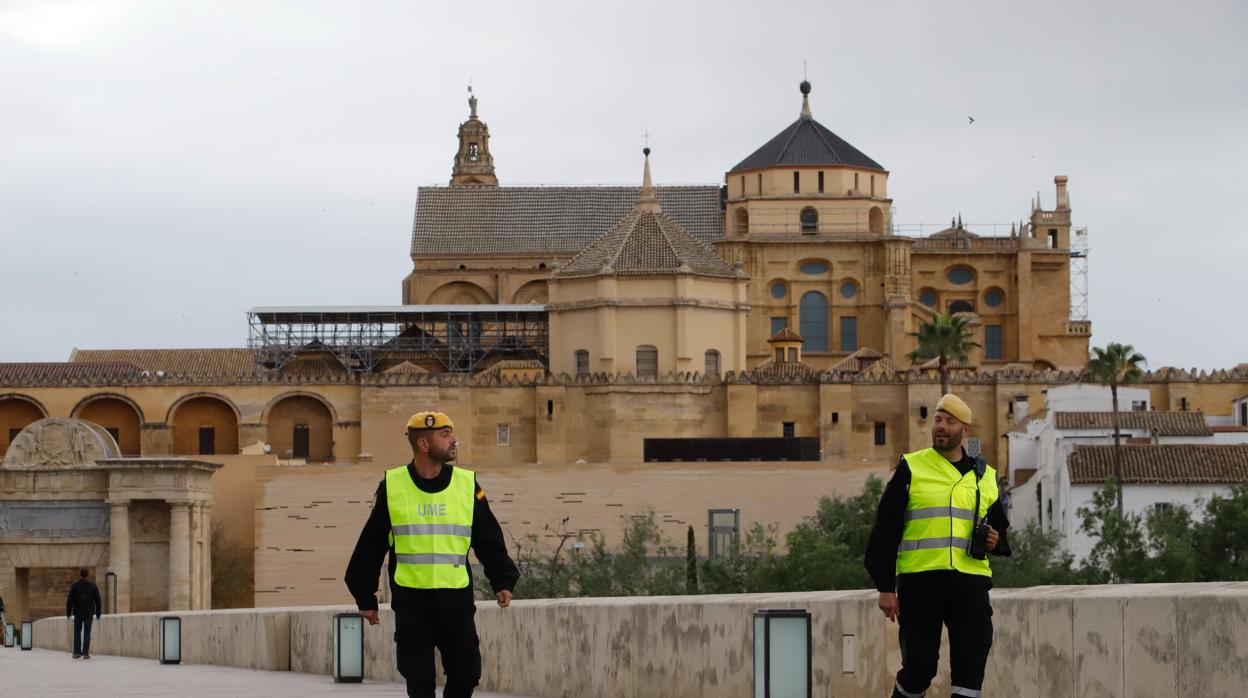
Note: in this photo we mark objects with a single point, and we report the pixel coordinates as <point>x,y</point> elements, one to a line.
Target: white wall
<point>1136,499</point>
<point>1081,397</point>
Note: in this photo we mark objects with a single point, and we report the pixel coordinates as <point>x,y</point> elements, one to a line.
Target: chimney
<point>1063,201</point>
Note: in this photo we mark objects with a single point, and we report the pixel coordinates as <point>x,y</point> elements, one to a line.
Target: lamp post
<point>28,634</point>
<point>110,589</point>
<point>348,648</point>
<point>170,640</point>
<point>782,653</point>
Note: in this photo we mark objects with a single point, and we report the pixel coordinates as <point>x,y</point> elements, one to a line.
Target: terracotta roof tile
<point>477,221</point>
<point>198,362</point>
<point>1166,423</point>
<point>647,243</point>
<point>1162,463</point>
<point>786,369</point>
<point>786,335</point>
<point>17,374</point>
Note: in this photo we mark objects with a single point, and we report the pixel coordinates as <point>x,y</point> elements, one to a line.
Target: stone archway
<point>118,415</point>
<point>204,424</point>
<point>460,293</point>
<point>300,426</point>
<point>16,413</point>
<point>532,292</point>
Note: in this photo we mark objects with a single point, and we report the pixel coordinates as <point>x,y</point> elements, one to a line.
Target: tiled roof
<point>1167,423</point>
<point>201,362</point>
<point>1163,463</point>
<point>786,335</point>
<point>806,142</point>
<point>861,360</point>
<point>786,369</point>
<point>645,242</point>
<point>467,221</point>
<point>16,374</point>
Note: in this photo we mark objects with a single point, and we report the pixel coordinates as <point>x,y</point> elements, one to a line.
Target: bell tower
<point>473,163</point>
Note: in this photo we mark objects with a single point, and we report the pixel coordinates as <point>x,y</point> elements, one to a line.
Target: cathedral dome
<point>806,142</point>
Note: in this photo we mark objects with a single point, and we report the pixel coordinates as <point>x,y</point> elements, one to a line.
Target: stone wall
<point>309,517</point>
<point>1142,640</point>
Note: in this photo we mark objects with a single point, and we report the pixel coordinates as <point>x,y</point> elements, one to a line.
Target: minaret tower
<point>473,163</point>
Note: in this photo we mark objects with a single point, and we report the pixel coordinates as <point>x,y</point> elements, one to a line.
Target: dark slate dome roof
<point>807,142</point>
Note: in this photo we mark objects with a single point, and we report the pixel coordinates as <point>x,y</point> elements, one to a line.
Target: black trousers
<point>443,619</point>
<point>82,634</point>
<point>957,601</point>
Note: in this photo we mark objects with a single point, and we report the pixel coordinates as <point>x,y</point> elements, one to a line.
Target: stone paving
<point>50,674</point>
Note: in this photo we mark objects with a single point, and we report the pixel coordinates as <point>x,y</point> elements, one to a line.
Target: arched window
<point>810,220</point>
<point>712,362</point>
<point>961,307</point>
<point>741,220</point>
<point>582,362</point>
<point>875,220</point>
<point>813,321</point>
<point>647,361</point>
<point>928,297</point>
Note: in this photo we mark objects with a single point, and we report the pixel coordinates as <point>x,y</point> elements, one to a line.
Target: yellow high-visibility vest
<point>430,533</point>
<point>939,515</point>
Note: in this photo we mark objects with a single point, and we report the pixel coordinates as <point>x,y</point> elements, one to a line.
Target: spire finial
<point>648,199</point>
<point>805,88</point>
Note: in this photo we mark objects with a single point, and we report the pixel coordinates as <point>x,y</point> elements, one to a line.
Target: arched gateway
<point>69,500</point>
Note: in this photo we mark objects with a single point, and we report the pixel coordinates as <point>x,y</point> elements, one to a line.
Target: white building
<point>1061,455</point>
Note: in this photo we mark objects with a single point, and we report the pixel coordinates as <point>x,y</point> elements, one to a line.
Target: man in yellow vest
<point>427,515</point>
<point>938,519</point>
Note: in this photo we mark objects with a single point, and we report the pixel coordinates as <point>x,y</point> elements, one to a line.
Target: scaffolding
<point>1079,275</point>
<point>361,338</point>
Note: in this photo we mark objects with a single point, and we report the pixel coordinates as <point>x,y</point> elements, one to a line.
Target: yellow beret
<point>953,405</point>
<point>430,420</point>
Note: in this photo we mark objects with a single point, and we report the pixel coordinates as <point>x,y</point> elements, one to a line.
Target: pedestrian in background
<point>82,603</point>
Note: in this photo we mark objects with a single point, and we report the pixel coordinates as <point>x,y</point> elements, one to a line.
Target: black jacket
<point>374,543</point>
<point>881,557</point>
<point>83,599</point>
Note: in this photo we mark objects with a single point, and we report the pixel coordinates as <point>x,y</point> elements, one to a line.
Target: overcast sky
<point>165,166</point>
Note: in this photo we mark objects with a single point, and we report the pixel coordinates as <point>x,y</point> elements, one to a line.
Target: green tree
<point>1036,558</point>
<point>691,562</point>
<point>1221,537</point>
<point>1120,554</point>
<point>947,337</point>
<point>1171,545</point>
<point>1115,365</point>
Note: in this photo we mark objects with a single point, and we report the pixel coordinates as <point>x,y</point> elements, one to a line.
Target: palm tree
<point>1115,365</point>
<point>947,337</point>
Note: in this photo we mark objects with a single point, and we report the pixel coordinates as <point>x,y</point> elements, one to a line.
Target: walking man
<point>82,603</point>
<point>928,554</point>
<point>427,515</point>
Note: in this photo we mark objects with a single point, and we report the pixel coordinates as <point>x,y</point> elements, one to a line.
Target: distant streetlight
<point>782,653</point>
<point>170,640</point>
<point>28,635</point>
<point>348,648</point>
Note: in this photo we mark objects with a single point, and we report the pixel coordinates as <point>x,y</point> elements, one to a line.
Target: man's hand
<point>889,605</point>
<point>370,616</point>
<point>504,598</point>
<point>993,537</point>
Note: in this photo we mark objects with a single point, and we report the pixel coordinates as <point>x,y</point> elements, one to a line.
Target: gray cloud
<point>166,166</point>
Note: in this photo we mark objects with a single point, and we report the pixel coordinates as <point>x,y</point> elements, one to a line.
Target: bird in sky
<point>972,120</point>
